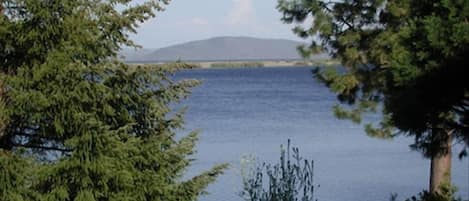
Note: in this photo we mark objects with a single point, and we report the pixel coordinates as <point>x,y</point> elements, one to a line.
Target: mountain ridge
<point>221,48</point>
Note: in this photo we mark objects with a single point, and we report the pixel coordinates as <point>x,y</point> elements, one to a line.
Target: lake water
<point>252,111</point>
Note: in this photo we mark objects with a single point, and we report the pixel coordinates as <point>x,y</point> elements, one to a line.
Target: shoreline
<point>252,64</point>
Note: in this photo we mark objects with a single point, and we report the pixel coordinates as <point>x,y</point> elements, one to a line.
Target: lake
<point>253,111</point>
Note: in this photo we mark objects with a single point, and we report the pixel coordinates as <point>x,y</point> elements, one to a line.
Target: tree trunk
<point>440,169</point>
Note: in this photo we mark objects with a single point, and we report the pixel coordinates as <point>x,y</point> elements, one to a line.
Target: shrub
<point>290,179</point>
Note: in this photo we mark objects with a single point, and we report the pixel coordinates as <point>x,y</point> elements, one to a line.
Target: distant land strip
<point>251,63</point>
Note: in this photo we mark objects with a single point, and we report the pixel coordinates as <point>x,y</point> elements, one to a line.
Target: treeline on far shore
<point>236,64</point>
<point>257,64</point>
<point>251,64</point>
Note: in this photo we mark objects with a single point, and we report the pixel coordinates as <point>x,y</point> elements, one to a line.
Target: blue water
<point>252,111</point>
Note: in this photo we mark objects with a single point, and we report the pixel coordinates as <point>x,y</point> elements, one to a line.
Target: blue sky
<point>187,20</point>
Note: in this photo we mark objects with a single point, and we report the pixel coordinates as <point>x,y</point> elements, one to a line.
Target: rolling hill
<point>221,49</point>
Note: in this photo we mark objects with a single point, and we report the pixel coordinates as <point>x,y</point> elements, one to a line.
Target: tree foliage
<point>406,59</point>
<point>76,124</point>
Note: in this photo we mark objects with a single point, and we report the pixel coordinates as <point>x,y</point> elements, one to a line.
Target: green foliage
<point>15,175</point>
<point>291,179</point>
<point>77,125</point>
<point>446,194</point>
<point>408,56</point>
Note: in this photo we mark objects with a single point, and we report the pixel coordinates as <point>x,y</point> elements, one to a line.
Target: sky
<point>188,20</point>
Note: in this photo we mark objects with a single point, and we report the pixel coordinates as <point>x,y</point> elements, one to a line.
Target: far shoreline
<point>247,63</point>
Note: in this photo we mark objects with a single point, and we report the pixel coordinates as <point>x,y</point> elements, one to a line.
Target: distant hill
<point>134,55</point>
<point>221,49</point>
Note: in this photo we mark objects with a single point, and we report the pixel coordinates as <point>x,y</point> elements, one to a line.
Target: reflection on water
<point>253,111</point>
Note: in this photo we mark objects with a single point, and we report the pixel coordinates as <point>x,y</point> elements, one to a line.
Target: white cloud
<point>242,13</point>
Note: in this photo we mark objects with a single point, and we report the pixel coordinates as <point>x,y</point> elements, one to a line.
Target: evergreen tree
<point>406,59</point>
<point>75,124</point>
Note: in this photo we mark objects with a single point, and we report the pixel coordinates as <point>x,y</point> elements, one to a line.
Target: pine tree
<point>406,59</point>
<point>79,125</point>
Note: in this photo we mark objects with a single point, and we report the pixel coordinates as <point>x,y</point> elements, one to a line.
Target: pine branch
<point>29,146</point>
<point>341,19</point>
<point>37,136</point>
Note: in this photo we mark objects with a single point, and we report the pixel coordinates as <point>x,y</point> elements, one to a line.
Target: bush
<point>291,179</point>
<point>446,193</point>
